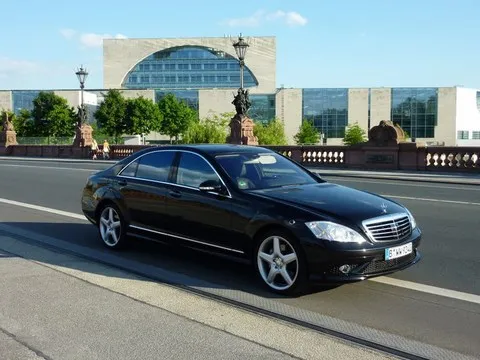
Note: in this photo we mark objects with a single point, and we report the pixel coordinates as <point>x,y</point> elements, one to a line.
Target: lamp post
<point>83,133</point>
<point>82,76</point>
<point>241,127</point>
<point>241,49</point>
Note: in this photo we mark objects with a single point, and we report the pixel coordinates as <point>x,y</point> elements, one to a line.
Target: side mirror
<point>212,185</point>
<point>317,175</point>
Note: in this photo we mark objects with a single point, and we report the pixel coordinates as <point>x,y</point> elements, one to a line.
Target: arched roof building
<point>188,63</point>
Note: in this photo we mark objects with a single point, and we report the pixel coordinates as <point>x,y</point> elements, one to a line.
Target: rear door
<point>143,185</point>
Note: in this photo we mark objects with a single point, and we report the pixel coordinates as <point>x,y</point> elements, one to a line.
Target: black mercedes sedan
<point>247,201</point>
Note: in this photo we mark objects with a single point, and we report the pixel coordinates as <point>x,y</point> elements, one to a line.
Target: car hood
<point>333,200</point>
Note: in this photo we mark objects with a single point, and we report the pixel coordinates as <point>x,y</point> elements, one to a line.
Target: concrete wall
<point>215,102</point>
<point>358,107</point>
<point>380,105</point>
<point>289,110</point>
<point>121,55</point>
<point>74,97</point>
<point>132,94</point>
<point>445,131</point>
<point>467,116</point>
<point>6,102</point>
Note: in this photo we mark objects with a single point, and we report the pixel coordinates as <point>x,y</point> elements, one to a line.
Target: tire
<point>111,226</point>
<point>280,263</point>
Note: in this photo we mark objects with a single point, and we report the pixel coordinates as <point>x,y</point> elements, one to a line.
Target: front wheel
<point>280,263</point>
<point>111,227</point>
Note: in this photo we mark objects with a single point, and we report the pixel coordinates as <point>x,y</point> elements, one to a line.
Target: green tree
<point>272,133</point>
<point>52,116</point>
<point>142,116</point>
<point>110,115</point>
<point>307,134</point>
<point>212,130</point>
<point>177,116</point>
<point>23,123</point>
<point>354,135</point>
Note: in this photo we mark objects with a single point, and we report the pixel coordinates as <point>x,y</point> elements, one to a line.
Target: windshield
<point>263,171</point>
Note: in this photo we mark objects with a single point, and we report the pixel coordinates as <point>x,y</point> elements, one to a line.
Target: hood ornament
<point>384,208</point>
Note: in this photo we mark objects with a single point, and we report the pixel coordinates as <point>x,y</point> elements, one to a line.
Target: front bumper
<point>324,263</point>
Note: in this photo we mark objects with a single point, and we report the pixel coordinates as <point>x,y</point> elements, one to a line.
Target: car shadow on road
<point>165,263</point>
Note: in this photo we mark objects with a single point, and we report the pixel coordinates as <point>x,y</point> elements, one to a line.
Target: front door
<point>202,217</point>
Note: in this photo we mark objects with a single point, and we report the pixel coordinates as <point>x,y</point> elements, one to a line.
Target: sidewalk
<point>460,178</point>
<point>57,306</point>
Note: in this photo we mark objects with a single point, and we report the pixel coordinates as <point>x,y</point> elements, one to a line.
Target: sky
<point>320,43</point>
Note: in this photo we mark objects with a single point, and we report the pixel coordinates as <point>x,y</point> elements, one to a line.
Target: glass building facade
<point>188,67</point>
<point>415,110</point>
<point>23,99</point>
<point>263,107</point>
<point>328,109</point>
<point>190,96</point>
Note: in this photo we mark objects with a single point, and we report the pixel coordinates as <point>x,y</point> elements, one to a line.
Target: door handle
<point>122,182</point>
<point>175,194</point>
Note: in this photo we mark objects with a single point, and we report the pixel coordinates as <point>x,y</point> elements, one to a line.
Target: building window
<point>263,108</point>
<point>189,96</point>
<point>462,135</point>
<point>173,63</point>
<point>328,109</point>
<point>415,110</point>
<point>475,135</point>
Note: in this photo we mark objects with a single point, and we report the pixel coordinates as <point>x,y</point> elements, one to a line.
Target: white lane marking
<point>434,200</point>
<point>49,167</point>
<point>385,280</point>
<point>43,208</point>
<point>428,289</point>
<point>403,183</point>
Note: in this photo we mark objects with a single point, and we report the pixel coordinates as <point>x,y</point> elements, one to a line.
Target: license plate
<point>398,251</point>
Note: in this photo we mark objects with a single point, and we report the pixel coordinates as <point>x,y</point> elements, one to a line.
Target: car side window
<point>130,170</point>
<point>193,170</point>
<point>155,166</point>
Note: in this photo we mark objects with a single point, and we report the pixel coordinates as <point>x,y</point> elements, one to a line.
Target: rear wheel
<point>111,226</point>
<point>280,263</point>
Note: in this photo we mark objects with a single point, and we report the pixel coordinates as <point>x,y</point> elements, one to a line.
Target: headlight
<point>412,219</point>
<point>334,232</point>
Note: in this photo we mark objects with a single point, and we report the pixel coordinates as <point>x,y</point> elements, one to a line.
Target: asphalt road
<point>447,214</point>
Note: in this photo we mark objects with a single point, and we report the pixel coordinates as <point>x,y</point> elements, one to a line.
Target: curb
<point>409,178</point>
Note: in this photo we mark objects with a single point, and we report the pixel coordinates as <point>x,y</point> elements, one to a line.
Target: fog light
<point>345,268</point>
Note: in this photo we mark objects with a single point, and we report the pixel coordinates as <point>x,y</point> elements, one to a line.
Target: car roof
<point>213,149</point>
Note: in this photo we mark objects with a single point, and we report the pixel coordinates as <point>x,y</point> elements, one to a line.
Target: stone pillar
<point>241,131</point>
<point>83,136</point>
<point>8,136</point>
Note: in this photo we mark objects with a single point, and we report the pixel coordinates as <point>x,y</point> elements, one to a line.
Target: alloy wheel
<point>278,263</point>
<point>110,226</point>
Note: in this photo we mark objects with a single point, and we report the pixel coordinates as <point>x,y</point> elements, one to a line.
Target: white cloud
<point>290,18</point>
<point>89,39</point>
<point>68,33</point>
<point>9,66</point>
<point>96,40</point>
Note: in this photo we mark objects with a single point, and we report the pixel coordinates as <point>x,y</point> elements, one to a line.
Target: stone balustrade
<point>405,156</point>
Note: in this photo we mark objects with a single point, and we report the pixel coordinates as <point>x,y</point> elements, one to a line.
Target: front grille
<point>376,266</point>
<point>388,228</point>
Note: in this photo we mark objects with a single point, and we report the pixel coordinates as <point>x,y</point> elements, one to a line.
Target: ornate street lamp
<point>82,75</point>
<point>83,132</point>
<point>241,127</point>
<point>241,49</point>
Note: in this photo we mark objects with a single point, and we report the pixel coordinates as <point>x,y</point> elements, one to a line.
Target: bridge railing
<point>406,156</point>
